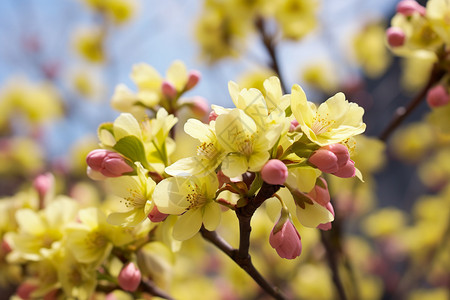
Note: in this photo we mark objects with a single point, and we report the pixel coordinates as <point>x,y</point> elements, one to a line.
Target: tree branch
<point>401,113</point>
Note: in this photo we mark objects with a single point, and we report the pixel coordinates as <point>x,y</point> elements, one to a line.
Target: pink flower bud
<point>193,78</point>
<point>409,7</point>
<point>212,116</point>
<point>25,289</point>
<point>286,241</point>
<point>294,124</point>
<point>438,96</point>
<point>43,184</point>
<point>108,163</point>
<point>114,165</point>
<point>320,192</point>
<point>395,36</point>
<point>129,277</point>
<point>5,247</point>
<point>346,171</point>
<point>341,153</point>
<point>156,216</point>
<point>327,226</point>
<point>325,160</point>
<point>168,90</point>
<point>274,172</point>
<point>200,106</point>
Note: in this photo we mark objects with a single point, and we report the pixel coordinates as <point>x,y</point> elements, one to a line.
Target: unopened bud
<point>43,184</point>
<point>286,241</point>
<point>25,289</point>
<point>346,171</point>
<point>274,172</point>
<point>108,163</point>
<point>409,7</point>
<point>193,78</point>
<point>5,247</point>
<point>395,36</point>
<point>327,226</point>
<point>438,96</point>
<point>168,90</point>
<point>156,216</point>
<point>320,192</point>
<point>325,160</point>
<point>200,106</point>
<point>212,116</point>
<point>294,124</point>
<point>129,277</point>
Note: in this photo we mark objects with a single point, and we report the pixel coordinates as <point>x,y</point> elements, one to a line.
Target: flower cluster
<point>267,139</point>
<point>423,33</point>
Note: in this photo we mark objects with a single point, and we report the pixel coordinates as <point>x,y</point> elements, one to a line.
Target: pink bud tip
<point>25,289</point>
<point>129,277</point>
<point>200,106</point>
<point>325,160</point>
<point>346,171</point>
<point>395,36</point>
<point>274,172</point>
<point>294,124</point>
<point>108,163</point>
<point>5,247</point>
<point>409,7</point>
<point>286,241</point>
<point>212,116</point>
<point>341,153</point>
<point>156,216</point>
<point>438,96</point>
<point>193,78</point>
<point>327,226</point>
<point>320,192</point>
<point>43,183</point>
<point>168,90</point>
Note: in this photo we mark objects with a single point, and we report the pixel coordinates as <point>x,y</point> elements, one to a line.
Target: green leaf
<point>132,148</point>
<point>105,126</point>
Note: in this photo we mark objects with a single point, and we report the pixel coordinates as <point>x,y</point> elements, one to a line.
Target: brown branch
<point>401,113</point>
<point>245,263</point>
<point>269,43</point>
<point>150,287</point>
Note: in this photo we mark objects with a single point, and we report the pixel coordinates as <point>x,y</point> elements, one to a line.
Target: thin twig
<point>245,263</point>
<point>269,43</point>
<point>150,287</point>
<point>402,112</point>
<point>332,262</point>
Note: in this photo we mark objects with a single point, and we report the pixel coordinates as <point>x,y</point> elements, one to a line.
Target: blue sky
<point>162,32</point>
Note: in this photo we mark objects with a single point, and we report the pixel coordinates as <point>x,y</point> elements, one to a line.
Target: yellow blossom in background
<point>20,155</point>
<point>435,171</point>
<point>438,12</point>
<point>321,76</point>
<point>385,222</point>
<point>34,102</point>
<point>87,82</point>
<point>255,79</point>
<point>370,50</point>
<point>413,141</point>
<point>88,43</point>
<point>429,294</point>
<point>296,17</point>
<point>77,155</point>
<point>416,70</point>
<point>118,11</point>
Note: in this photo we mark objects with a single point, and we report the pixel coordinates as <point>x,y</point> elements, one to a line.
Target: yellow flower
<point>209,153</point>
<point>193,199</point>
<point>136,193</point>
<point>296,17</point>
<point>370,49</point>
<point>438,12</point>
<point>321,76</point>
<point>89,44</point>
<point>333,121</point>
<point>38,231</point>
<point>247,146</point>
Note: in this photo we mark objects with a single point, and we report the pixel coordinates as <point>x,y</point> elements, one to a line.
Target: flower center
<point>321,124</point>
<point>207,150</point>
<point>135,200</point>
<point>96,240</point>
<point>246,147</point>
<point>194,198</point>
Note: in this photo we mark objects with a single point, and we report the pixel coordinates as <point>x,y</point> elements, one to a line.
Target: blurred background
<point>60,62</point>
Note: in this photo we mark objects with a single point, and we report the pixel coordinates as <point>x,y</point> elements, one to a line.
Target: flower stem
<point>401,113</point>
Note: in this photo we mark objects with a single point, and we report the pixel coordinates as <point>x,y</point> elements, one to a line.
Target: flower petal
<point>188,225</point>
